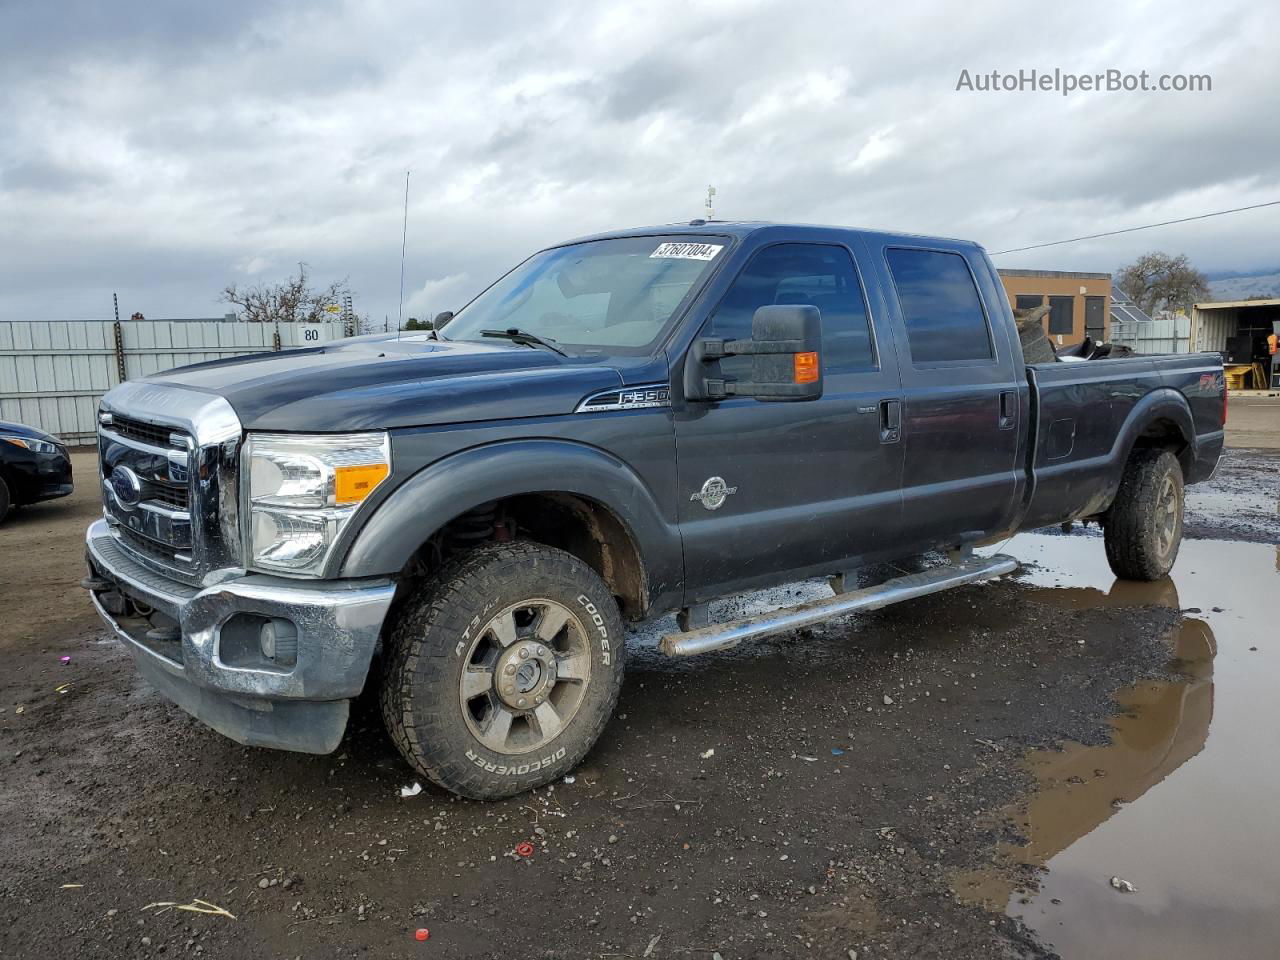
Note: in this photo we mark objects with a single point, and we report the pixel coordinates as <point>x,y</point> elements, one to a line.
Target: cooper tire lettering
<point>445,628</point>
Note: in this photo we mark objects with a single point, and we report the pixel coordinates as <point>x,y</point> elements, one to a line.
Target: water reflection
<point>1161,725</point>
<point>1181,802</point>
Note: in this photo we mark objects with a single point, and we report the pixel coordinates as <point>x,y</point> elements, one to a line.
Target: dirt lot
<point>863,794</point>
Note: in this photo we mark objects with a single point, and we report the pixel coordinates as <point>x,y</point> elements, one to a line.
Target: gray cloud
<point>165,150</point>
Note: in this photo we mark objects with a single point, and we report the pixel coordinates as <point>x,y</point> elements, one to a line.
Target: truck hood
<point>384,382</point>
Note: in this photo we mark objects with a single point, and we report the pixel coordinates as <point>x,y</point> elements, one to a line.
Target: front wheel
<point>1143,527</point>
<point>501,675</point>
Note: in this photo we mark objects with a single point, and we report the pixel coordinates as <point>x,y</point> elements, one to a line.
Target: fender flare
<point>1163,403</point>
<point>449,487</point>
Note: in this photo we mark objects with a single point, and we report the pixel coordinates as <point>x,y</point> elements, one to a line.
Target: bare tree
<point>1158,280</point>
<point>292,301</point>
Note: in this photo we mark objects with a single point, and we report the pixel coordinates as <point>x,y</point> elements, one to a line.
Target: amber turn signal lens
<point>806,368</point>
<point>353,484</point>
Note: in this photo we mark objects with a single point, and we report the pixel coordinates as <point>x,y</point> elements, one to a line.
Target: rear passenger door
<point>813,482</point>
<point>964,394</point>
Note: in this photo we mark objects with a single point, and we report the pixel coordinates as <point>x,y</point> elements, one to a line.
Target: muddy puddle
<point>1183,802</point>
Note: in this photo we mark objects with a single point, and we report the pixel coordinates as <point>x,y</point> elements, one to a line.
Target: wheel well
<point>1163,433</point>
<point>582,527</point>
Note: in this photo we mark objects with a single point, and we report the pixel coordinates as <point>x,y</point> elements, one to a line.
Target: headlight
<point>32,444</point>
<point>303,490</point>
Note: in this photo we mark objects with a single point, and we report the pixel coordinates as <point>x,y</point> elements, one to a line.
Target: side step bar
<point>722,636</point>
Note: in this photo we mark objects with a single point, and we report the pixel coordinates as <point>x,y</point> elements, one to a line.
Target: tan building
<point>1079,303</point>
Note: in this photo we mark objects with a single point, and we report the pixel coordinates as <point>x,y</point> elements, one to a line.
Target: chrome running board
<point>722,636</point>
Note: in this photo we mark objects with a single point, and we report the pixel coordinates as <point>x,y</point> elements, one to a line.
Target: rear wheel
<point>501,675</point>
<point>1143,527</point>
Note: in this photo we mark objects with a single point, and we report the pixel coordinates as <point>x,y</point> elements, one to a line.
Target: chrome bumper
<point>299,707</point>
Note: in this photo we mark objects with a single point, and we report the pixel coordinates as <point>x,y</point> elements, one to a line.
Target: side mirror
<point>441,319</point>
<point>785,350</point>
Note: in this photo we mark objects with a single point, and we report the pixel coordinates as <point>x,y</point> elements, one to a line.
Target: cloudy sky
<point>163,150</point>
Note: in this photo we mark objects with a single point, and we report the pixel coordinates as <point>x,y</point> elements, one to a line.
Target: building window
<point>1028,301</point>
<point>940,306</point>
<point>1062,315</point>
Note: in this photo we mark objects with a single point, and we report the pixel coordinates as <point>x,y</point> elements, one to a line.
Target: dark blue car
<point>34,466</point>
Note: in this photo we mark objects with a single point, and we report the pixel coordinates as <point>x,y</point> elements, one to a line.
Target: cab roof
<point>742,229</point>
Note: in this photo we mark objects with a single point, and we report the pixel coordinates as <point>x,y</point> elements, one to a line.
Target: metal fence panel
<point>54,372</point>
<point>1162,335</point>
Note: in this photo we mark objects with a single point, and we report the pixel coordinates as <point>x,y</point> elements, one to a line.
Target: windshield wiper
<point>516,335</point>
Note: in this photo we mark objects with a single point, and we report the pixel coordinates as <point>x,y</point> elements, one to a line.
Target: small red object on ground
<point>524,849</point>
<point>422,933</point>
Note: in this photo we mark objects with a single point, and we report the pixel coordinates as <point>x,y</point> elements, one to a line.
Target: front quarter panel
<point>450,486</point>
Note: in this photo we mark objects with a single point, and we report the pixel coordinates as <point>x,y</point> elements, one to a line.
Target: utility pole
<point>711,192</point>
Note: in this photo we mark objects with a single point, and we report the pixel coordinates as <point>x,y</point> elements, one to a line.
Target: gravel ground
<point>809,796</point>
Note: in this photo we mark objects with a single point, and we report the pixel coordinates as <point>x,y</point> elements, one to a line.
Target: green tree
<point>413,323</point>
<point>1157,280</point>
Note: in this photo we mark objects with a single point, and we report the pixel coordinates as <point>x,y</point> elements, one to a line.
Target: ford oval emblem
<point>126,485</point>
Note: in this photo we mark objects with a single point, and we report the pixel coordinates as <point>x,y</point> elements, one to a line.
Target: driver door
<point>773,491</point>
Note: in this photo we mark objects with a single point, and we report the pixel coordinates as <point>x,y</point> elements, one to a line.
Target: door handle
<point>890,421</point>
<point>1008,409</point>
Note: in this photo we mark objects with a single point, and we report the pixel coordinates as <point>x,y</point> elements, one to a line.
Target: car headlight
<point>32,444</point>
<point>302,490</point>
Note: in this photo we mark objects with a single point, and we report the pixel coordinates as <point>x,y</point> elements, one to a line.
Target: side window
<point>1062,314</point>
<point>800,273</point>
<point>940,306</point>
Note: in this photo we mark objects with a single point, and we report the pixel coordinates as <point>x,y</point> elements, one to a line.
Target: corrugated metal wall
<point>54,372</point>
<point>1212,327</point>
<point>1162,335</point>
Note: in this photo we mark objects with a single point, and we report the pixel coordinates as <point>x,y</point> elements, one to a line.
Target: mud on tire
<point>483,616</point>
<point>1143,527</point>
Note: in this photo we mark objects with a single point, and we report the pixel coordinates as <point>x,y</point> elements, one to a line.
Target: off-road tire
<point>426,651</point>
<point>1134,522</point>
<point>6,500</point>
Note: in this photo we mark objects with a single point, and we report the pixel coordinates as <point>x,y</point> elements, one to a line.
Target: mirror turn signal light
<point>806,367</point>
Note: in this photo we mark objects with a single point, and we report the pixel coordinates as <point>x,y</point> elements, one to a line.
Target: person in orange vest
<point>1273,348</point>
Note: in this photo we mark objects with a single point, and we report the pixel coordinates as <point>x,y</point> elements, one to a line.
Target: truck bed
<point>1087,416</point>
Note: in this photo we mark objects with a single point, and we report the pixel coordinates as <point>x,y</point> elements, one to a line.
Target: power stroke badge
<point>714,493</point>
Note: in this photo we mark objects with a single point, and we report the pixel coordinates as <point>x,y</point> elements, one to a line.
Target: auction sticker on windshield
<point>687,251</point>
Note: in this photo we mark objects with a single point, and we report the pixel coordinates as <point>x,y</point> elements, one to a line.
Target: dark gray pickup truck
<point>620,427</point>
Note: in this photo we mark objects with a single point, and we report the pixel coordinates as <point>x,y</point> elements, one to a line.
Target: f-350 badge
<point>714,493</point>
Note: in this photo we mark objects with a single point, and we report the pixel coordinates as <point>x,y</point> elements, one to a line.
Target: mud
<point>828,818</point>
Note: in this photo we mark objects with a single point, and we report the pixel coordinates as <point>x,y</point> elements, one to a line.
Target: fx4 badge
<point>714,493</point>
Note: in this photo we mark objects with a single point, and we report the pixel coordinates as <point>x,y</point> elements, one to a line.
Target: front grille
<point>170,496</point>
<point>147,547</point>
<point>169,462</point>
<point>157,436</point>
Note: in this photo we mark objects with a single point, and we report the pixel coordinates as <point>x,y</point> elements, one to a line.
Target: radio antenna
<point>404,238</point>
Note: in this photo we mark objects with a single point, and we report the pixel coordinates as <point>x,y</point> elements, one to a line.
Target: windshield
<point>604,295</point>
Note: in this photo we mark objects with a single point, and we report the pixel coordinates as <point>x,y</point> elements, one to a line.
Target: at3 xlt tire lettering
<point>466,625</point>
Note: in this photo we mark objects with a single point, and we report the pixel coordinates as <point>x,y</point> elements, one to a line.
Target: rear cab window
<point>940,305</point>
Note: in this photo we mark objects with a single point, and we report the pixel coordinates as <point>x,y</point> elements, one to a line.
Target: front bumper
<point>39,476</point>
<point>211,671</point>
